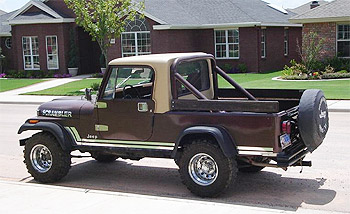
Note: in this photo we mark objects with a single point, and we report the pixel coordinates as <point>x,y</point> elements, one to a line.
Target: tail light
<point>286,127</point>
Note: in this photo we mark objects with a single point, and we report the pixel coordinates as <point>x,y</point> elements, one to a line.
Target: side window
<point>129,83</point>
<point>196,73</point>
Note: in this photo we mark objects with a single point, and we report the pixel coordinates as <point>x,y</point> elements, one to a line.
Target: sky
<point>10,5</point>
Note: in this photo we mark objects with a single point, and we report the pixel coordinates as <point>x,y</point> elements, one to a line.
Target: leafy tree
<point>311,50</point>
<point>104,19</point>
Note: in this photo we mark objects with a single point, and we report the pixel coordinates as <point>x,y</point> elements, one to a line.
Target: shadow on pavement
<point>258,189</point>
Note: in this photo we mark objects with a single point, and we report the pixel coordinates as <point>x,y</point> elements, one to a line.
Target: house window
<point>52,52</point>
<point>227,44</point>
<point>343,41</point>
<point>8,43</point>
<point>286,36</point>
<point>136,39</point>
<point>30,46</point>
<point>263,43</point>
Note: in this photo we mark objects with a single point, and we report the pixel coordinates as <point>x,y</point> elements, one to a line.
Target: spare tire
<point>313,119</point>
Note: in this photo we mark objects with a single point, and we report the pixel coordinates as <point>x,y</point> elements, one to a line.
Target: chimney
<point>314,4</point>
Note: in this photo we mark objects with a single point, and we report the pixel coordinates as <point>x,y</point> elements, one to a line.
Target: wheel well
<point>190,137</point>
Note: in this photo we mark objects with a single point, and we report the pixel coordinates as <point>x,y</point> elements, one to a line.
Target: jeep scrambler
<point>170,106</point>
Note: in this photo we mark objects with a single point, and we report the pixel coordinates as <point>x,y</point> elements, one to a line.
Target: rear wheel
<point>205,170</point>
<point>45,159</point>
<point>103,157</point>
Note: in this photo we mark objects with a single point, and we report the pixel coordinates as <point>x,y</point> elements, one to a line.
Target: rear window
<point>196,73</point>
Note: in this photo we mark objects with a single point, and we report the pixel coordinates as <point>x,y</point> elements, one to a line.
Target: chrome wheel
<point>203,169</point>
<point>41,158</point>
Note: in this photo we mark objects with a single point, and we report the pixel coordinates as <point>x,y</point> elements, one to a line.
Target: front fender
<point>224,140</point>
<point>63,137</point>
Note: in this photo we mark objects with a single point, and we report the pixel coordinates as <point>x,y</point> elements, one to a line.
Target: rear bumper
<point>292,155</point>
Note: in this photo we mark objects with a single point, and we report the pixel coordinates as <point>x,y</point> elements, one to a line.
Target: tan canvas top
<point>151,58</point>
<point>161,65</point>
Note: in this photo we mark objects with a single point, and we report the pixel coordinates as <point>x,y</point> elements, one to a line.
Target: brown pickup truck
<point>170,106</point>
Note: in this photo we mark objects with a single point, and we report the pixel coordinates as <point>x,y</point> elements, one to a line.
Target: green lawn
<point>10,84</point>
<point>335,89</point>
<point>68,89</point>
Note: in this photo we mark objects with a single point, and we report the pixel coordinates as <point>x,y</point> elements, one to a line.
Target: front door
<point>125,109</point>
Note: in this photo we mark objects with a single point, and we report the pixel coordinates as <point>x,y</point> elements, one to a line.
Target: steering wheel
<point>128,96</point>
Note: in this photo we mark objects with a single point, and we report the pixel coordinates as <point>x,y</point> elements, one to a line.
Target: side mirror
<point>88,93</point>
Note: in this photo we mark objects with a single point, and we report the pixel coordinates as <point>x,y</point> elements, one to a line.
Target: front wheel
<point>45,160</point>
<point>205,170</point>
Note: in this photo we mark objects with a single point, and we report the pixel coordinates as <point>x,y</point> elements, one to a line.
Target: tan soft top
<point>151,58</point>
<point>161,64</point>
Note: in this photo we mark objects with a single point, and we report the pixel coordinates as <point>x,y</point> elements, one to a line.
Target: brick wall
<point>275,58</point>
<point>41,30</point>
<point>8,53</point>
<point>327,31</point>
<point>168,41</point>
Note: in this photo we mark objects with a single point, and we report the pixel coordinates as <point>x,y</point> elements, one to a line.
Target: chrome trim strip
<point>124,142</point>
<point>127,146</point>
<point>252,148</point>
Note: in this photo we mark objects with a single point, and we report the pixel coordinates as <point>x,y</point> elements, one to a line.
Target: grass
<point>68,89</point>
<point>335,89</point>
<point>10,84</point>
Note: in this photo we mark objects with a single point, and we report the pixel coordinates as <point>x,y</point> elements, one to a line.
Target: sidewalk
<point>17,197</point>
<point>14,97</point>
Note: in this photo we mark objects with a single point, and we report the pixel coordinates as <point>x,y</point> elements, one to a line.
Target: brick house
<point>331,22</point>
<point>236,32</point>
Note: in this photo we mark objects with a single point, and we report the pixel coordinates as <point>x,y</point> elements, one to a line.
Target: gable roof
<point>44,15</point>
<point>2,12</point>
<point>306,7</point>
<point>192,14</point>
<point>335,11</point>
<point>5,28</point>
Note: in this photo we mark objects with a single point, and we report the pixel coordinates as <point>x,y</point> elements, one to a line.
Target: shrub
<point>95,86</point>
<point>227,68</point>
<point>97,75</point>
<point>296,77</point>
<point>242,68</point>
<point>329,69</point>
<point>338,63</point>
<point>310,52</point>
<point>336,75</point>
<point>343,71</point>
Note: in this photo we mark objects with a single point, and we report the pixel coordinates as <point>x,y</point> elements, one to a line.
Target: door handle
<point>142,107</point>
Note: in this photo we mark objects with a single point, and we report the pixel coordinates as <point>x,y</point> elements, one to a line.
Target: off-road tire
<point>61,160</point>
<point>104,158</point>
<point>226,168</point>
<point>313,120</point>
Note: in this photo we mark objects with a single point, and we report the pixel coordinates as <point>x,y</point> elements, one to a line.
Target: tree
<point>310,51</point>
<point>104,19</point>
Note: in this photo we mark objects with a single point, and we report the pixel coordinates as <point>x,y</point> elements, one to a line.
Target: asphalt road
<point>325,186</point>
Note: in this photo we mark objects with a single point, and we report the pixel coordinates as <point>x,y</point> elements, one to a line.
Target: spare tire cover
<point>313,119</point>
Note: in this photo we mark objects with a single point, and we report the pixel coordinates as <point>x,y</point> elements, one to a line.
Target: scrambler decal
<point>55,113</point>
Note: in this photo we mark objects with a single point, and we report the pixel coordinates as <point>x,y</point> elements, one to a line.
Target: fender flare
<point>224,140</point>
<point>63,137</point>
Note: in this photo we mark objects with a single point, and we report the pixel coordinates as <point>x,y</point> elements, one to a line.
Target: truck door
<point>125,109</point>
